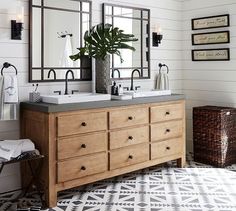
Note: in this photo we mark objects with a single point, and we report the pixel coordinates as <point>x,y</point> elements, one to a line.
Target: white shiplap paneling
<point>208,83</point>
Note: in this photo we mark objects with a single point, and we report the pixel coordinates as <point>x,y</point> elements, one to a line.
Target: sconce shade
<point>156,39</point>
<point>16,30</point>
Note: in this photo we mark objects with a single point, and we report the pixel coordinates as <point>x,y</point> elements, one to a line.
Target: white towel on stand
<point>13,148</point>
<point>162,81</point>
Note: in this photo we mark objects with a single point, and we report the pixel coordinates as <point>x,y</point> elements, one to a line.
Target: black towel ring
<point>7,65</point>
<point>163,65</point>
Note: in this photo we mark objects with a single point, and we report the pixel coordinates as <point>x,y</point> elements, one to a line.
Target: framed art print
<point>221,54</point>
<point>211,22</point>
<point>211,38</point>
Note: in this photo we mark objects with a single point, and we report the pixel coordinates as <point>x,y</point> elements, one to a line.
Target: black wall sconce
<point>16,30</point>
<point>157,36</point>
<point>17,26</point>
<point>156,39</point>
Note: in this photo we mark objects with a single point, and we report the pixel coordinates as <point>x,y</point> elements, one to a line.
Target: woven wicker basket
<point>214,135</point>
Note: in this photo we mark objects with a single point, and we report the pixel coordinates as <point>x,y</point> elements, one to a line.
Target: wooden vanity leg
<point>181,162</point>
<point>51,198</point>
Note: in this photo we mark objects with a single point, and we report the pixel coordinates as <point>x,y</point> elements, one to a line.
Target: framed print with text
<point>210,22</point>
<point>211,38</point>
<point>221,54</point>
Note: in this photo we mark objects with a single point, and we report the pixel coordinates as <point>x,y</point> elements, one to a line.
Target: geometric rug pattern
<point>161,188</point>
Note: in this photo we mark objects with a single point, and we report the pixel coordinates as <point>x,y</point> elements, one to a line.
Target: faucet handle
<point>73,91</point>
<point>137,87</point>
<point>59,92</point>
<point>126,87</point>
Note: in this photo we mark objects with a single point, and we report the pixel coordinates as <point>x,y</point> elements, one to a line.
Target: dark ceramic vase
<point>103,80</point>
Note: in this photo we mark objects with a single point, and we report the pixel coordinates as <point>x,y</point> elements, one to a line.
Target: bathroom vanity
<point>86,142</point>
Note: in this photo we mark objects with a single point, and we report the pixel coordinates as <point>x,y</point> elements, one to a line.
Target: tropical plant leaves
<point>102,40</point>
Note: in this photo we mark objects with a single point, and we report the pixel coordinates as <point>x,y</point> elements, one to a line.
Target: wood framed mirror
<point>135,21</point>
<point>56,31</point>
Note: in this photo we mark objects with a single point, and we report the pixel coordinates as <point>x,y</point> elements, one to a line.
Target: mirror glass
<point>57,29</point>
<point>134,21</point>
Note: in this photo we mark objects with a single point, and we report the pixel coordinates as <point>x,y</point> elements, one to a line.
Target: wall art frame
<point>210,22</point>
<point>218,54</point>
<point>219,37</point>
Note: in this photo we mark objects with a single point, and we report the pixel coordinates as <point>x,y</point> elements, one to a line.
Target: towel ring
<point>7,65</point>
<point>163,65</point>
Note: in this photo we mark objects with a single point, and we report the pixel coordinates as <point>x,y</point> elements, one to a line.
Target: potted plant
<point>100,42</point>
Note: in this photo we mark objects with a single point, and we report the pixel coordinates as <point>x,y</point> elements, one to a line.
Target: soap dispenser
<point>120,90</point>
<point>113,88</point>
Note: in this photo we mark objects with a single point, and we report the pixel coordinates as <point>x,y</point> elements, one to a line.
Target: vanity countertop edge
<point>53,108</point>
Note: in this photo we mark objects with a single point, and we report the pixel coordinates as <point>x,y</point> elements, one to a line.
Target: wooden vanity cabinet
<point>85,146</point>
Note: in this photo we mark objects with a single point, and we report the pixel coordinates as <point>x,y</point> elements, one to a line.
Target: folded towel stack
<point>13,148</point>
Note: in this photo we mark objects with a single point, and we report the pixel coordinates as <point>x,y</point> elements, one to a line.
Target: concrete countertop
<point>52,108</point>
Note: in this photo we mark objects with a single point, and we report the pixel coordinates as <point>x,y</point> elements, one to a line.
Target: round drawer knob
<point>130,118</point>
<point>167,130</point>
<point>83,168</point>
<point>131,157</point>
<point>168,148</point>
<point>83,124</point>
<point>131,138</point>
<point>167,113</point>
<point>83,146</point>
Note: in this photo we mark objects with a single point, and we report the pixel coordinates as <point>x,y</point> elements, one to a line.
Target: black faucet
<point>132,78</point>
<point>113,73</point>
<point>66,80</point>
<point>54,73</point>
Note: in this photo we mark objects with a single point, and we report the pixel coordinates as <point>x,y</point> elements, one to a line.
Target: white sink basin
<point>75,98</point>
<point>150,93</point>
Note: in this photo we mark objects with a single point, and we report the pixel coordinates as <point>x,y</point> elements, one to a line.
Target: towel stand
<point>163,65</point>
<point>34,170</point>
<point>7,65</point>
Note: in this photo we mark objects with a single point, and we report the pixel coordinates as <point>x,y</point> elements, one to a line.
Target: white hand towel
<point>65,60</point>
<point>8,111</point>
<point>162,81</point>
<point>10,86</point>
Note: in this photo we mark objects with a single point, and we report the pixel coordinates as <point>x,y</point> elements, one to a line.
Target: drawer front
<point>128,117</point>
<point>82,123</point>
<point>167,112</point>
<point>129,137</point>
<point>166,130</point>
<point>166,148</point>
<point>82,166</point>
<point>82,145</point>
<point>128,156</point>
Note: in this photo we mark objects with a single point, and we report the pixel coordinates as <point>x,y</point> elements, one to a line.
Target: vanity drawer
<point>81,123</point>
<point>81,145</point>
<point>128,156</point>
<point>166,130</point>
<point>82,166</point>
<point>123,138</point>
<point>128,117</point>
<point>167,112</point>
<point>166,148</point>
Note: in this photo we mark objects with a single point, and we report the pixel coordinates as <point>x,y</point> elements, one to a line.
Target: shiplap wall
<point>167,13</point>
<point>208,83</point>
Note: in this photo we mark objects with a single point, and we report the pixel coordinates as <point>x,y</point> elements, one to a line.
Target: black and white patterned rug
<point>163,188</point>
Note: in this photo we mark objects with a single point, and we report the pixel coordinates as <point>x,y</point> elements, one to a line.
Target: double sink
<point>90,97</point>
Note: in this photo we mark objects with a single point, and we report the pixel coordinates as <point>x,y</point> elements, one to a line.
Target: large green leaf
<point>102,40</point>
